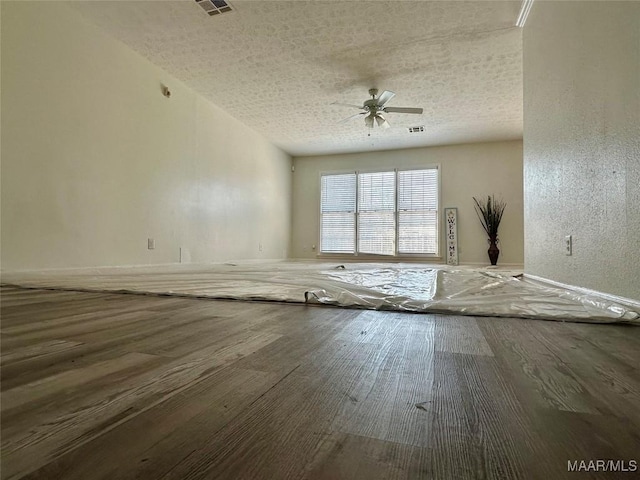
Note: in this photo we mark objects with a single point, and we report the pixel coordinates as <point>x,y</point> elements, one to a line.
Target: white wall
<point>95,159</point>
<point>582,144</point>
<point>466,171</point>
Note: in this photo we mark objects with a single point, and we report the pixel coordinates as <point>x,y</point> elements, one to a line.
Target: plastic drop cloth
<point>400,287</point>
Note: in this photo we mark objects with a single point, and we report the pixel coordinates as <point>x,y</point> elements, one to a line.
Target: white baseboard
<point>587,291</point>
<point>103,268</point>
<point>500,265</point>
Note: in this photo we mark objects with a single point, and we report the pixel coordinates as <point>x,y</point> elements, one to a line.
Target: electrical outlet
<point>568,245</point>
<point>151,243</point>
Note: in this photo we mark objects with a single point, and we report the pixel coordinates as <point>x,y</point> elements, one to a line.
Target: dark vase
<point>493,251</point>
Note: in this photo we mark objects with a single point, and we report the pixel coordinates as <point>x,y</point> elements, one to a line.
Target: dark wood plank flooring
<point>120,386</point>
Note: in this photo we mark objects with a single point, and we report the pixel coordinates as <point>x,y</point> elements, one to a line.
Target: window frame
<point>396,255</point>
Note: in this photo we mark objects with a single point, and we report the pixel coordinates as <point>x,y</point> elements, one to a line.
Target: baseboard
<point>102,268</point>
<point>587,291</point>
<point>500,265</point>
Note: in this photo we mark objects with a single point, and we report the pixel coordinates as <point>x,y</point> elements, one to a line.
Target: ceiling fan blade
<point>385,97</point>
<point>345,120</point>
<point>402,110</point>
<point>382,122</point>
<point>347,105</point>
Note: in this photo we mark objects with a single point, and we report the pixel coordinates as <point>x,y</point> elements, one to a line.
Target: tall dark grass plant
<point>490,212</point>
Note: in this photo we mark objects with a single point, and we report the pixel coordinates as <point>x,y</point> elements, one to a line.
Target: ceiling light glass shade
<point>368,120</point>
<point>382,122</point>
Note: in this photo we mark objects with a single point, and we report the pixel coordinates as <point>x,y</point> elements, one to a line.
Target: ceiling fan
<point>375,106</point>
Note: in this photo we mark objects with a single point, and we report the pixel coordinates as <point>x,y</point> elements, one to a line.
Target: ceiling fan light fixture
<point>368,120</point>
<point>382,122</point>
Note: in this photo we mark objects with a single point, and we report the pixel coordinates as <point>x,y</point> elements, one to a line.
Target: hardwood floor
<point>129,386</point>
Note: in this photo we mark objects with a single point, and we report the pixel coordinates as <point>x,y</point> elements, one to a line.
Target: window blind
<point>338,213</point>
<point>376,213</point>
<point>418,211</point>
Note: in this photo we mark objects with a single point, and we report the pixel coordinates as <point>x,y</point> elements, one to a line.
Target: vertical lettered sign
<point>451,229</point>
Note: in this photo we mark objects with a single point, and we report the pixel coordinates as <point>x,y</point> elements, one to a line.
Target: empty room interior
<point>320,239</point>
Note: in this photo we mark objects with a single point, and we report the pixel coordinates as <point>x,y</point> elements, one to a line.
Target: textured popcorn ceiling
<point>277,66</point>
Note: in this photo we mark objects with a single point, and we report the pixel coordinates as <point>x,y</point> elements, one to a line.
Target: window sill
<point>349,257</point>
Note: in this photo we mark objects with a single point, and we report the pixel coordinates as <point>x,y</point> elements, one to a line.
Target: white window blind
<point>418,211</point>
<point>380,213</point>
<point>338,213</point>
<point>376,213</point>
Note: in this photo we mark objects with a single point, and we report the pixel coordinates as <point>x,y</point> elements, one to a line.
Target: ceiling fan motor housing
<point>371,105</point>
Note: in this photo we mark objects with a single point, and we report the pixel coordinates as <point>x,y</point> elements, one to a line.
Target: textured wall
<point>95,159</point>
<point>465,171</point>
<point>582,144</point>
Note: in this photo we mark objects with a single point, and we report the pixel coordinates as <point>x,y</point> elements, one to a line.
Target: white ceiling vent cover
<point>214,7</point>
<point>416,129</point>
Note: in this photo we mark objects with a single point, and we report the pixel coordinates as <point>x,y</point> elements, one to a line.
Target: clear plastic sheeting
<point>399,287</point>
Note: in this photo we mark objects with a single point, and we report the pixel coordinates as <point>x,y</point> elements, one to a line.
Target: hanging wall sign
<point>451,219</point>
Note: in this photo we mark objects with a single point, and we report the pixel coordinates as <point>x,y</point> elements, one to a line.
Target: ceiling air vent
<point>214,7</point>
<point>416,129</point>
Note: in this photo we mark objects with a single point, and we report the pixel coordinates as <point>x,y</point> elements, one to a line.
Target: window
<point>380,213</point>
<point>418,211</point>
<point>376,213</point>
<point>338,213</point>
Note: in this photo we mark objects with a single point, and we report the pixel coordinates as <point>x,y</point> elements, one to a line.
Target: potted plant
<point>490,212</point>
